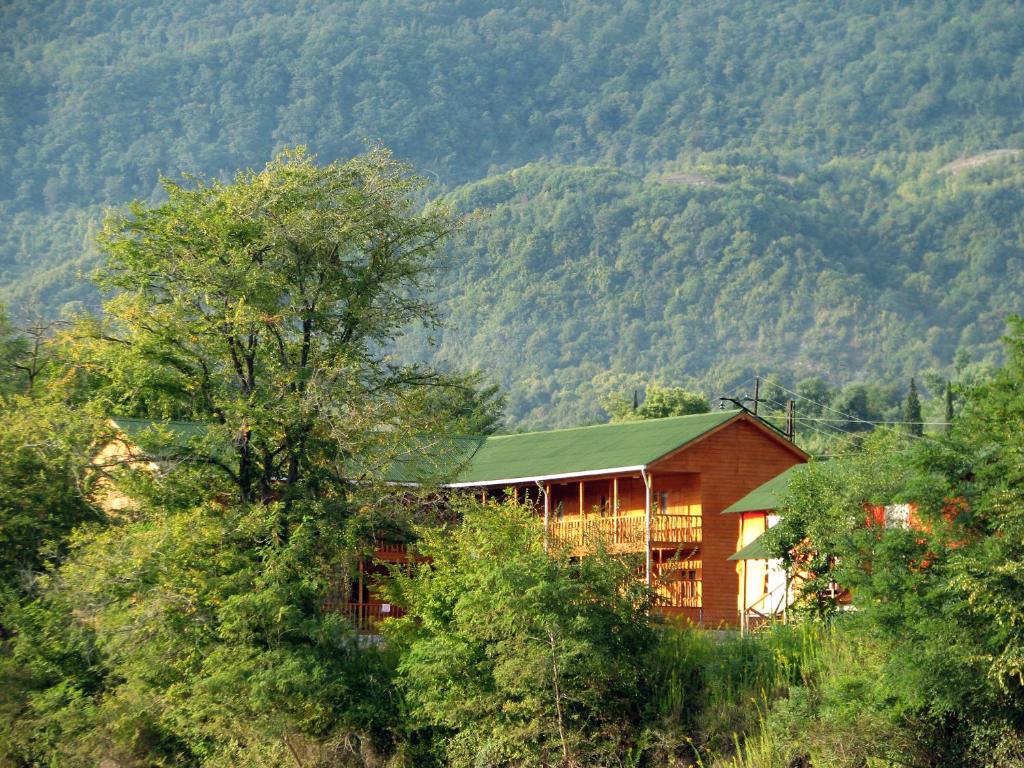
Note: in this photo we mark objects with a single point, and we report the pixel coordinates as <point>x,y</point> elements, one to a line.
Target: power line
<point>842,421</point>
<point>847,417</point>
<point>828,425</point>
<point>861,421</point>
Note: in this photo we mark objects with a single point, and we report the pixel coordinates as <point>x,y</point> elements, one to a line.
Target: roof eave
<point>542,478</point>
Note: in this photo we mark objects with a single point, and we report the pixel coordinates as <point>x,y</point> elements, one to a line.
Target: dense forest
<point>677,192</point>
<point>583,276</point>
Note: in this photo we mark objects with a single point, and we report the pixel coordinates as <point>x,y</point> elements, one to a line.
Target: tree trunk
<point>566,758</point>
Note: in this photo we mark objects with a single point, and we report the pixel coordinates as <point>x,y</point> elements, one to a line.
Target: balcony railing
<point>625,533</point>
<point>389,551</point>
<point>679,594</point>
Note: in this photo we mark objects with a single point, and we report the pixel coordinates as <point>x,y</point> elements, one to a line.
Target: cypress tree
<point>949,406</point>
<point>912,411</point>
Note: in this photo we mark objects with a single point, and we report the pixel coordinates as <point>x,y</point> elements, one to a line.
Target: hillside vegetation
<point>688,191</point>
<point>856,270</point>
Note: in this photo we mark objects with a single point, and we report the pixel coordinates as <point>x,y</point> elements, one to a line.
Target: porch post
<point>546,490</point>
<point>648,480</point>
<point>743,609</point>
<point>615,510</point>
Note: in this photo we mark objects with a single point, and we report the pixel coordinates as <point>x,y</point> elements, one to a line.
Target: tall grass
<point>714,689</point>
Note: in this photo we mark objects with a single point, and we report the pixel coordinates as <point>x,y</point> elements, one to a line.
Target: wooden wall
<point>752,525</point>
<point>732,461</point>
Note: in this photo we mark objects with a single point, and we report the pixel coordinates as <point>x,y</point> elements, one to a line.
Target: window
<point>663,502</point>
<point>897,516</point>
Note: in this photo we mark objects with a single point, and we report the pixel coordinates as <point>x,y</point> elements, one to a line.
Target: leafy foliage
<point>261,307</point>
<point>659,401</point>
<point>549,647</point>
<point>937,635</point>
<point>44,487</point>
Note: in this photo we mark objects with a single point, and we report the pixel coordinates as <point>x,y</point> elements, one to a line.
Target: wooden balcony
<point>679,594</point>
<point>625,533</point>
<point>390,552</point>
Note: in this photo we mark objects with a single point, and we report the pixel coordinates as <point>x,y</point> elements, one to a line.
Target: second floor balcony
<point>626,532</point>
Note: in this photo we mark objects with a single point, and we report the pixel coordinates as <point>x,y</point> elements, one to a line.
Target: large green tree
<point>264,307</point>
<point>937,585</point>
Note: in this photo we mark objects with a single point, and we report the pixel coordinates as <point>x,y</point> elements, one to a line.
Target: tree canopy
<point>264,308</point>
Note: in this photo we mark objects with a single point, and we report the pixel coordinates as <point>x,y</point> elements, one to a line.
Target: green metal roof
<point>755,550</point>
<point>766,496</point>
<point>433,459</point>
<point>563,452</point>
<point>499,459</point>
<point>180,432</point>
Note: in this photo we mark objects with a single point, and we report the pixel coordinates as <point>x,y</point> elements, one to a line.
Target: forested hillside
<point>857,270</point>
<point>702,188</point>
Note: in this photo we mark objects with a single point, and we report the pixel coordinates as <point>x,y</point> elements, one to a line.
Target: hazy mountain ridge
<point>777,197</point>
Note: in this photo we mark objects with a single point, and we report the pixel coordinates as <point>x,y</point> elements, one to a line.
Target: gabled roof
<point>600,449</point>
<point>755,550</point>
<point>766,496</point>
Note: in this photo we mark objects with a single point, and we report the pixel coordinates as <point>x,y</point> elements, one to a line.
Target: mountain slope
<point>577,277</point>
<point>757,182</point>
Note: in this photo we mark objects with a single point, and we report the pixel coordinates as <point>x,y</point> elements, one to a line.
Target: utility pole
<point>789,420</point>
<point>757,393</point>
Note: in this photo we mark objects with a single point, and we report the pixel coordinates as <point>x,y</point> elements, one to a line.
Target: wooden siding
<point>732,461</point>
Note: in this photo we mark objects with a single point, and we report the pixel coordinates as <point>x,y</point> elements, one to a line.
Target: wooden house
<point>657,488</point>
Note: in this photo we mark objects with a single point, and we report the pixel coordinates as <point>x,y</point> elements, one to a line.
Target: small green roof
<point>766,496</point>
<point>755,550</point>
<point>601,448</point>
<point>180,432</point>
